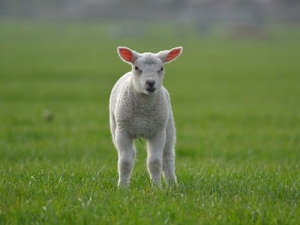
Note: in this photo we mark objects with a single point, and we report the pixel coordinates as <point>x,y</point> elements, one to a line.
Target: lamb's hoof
<point>123,184</point>
<point>171,183</point>
<point>156,184</point>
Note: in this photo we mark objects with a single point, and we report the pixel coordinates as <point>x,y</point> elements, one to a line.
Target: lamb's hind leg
<point>113,126</point>
<point>126,153</point>
<point>168,167</point>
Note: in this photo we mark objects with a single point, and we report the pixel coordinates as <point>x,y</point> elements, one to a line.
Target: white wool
<point>140,108</point>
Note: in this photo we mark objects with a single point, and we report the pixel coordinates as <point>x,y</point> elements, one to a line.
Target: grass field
<point>237,113</point>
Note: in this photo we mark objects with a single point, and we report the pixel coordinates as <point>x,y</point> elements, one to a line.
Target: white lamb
<point>140,107</point>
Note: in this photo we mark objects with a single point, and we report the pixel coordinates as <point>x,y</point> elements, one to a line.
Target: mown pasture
<point>237,111</point>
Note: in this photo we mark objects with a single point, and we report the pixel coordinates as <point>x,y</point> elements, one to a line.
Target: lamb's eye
<point>161,69</point>
<point>138,69</point>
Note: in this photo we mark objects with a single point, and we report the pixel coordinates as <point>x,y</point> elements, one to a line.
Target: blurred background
<point>235,89</point>
<point>244,17</point>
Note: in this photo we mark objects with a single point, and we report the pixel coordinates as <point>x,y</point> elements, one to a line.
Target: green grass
<point>237,113</point>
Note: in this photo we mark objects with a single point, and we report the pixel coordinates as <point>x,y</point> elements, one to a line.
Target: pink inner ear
<point>126,54</point>
<point>173,54</point>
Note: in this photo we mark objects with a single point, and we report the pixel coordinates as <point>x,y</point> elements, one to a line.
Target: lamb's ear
<point>127,55</point>
<point>170,55</point>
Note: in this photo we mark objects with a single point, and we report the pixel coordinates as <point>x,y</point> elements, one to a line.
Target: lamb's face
<point>148,68</point>
<point>148,72</point>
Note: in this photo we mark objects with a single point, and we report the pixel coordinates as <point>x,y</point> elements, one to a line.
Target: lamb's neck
<point>142,97</point>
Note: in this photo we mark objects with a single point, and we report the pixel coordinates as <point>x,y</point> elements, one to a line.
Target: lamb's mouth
<point>150,89</point>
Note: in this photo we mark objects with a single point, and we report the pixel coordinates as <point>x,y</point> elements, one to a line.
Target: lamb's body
<point>135,114</point>
<point>139,114</point>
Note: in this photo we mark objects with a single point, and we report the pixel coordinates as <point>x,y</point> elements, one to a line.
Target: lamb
<point>140,107</point>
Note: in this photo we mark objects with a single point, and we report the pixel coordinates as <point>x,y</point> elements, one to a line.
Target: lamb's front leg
<point>154,161</point>
<point>168,168</point>
<point>126,154</point>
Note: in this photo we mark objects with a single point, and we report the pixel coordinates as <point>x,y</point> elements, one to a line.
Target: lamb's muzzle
<point>150,85</point>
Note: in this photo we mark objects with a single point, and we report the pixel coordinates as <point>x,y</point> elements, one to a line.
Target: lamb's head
<point>148,68</point>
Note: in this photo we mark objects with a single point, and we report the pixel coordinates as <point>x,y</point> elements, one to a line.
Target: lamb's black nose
<point>151,83</point>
